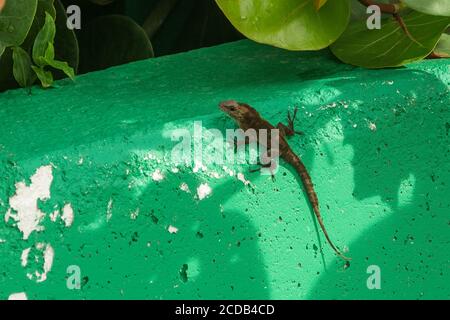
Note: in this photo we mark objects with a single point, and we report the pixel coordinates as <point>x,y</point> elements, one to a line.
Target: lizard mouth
<point>228,106</point>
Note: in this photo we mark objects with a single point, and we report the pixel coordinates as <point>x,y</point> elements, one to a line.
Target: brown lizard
<point>246,118</point>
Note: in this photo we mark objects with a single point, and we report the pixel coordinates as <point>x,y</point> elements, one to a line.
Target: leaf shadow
<point>213,255</point>
<point>404,164</point>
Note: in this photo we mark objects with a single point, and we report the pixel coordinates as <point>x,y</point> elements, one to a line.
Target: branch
<point>394,9</point>
<point>384,7</point>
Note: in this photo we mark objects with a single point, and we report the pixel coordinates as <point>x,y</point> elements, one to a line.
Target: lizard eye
<point>230,107</point>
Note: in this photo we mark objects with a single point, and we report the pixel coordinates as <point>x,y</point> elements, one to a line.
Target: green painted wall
<point>376,143</point>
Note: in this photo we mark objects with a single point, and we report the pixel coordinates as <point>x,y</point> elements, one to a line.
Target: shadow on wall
<point>214,253</point>
<point>405,163</point>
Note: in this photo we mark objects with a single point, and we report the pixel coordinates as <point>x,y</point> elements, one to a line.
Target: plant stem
<point>384,7</point>
<point>405,28</point>
<point>394,9</point>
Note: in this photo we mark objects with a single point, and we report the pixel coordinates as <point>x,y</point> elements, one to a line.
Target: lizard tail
<point>295,161</point>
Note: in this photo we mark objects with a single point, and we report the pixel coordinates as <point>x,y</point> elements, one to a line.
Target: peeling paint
<point>204,191</point>
<point>184,187</point>
<point>24,257</point>
<point>18,296</point>
<point>229,171</point>
<point>241,178</point>
<point>24,202</point>
<point>199,167</point>
<point>214,175</point>
<point>157,175</point>
<point>67,215</point>
<point>48,255</point>
<point>54,215</point>
<point>172,229</point>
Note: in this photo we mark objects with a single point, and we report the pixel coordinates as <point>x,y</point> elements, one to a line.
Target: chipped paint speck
<point>18,296</point>
<point>67,215</point>
<point>184,187</point>
<point>157,175</point>
<point>172,229</point>
<point>241,177</point>
<point>134,214</point>
<point>203,191</point>
<point>109,210</point>
<point>48,255</point>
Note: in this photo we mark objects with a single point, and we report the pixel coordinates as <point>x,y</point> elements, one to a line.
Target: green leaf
<point>22,67</point>
<point>432,7</point>
<point>359,11</point>
<point>66,43</point>
<point>43,38</point>
<point>289,24</point>
<point>191,24</point>
<point>443,47</point>
<point>46,6</point>
<point>390,46</point>
<point>45,77</point>
<point>112,40</point>
<point>15,22</point>
<point>49,53</point>
<point>319,4</point>
<point>60,65</point>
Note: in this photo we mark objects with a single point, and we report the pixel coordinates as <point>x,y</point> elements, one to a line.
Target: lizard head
<point>238,111</point>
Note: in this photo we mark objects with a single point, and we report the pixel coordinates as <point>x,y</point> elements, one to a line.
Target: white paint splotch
<point>241,177</point>
<point>172,229</point>
<point>157,175</point>
<point>54,215</point>
<point>45,252</point>
<point>109,210</point>
<point>67,215</point>
<point>18,296</point>
<point>23,205</point>
<point>28,218</point>
<point>25,201</point>
<point>203,191</point>
<point>24,257</point>
<point>184,187</point>
<point>49,255</point>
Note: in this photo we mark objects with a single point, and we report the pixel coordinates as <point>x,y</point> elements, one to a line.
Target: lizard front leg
<point>288,130</point>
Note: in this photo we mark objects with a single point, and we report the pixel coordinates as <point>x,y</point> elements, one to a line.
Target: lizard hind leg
<point>289,130</point>
<point>269,162</point>
<point>264,166</point>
